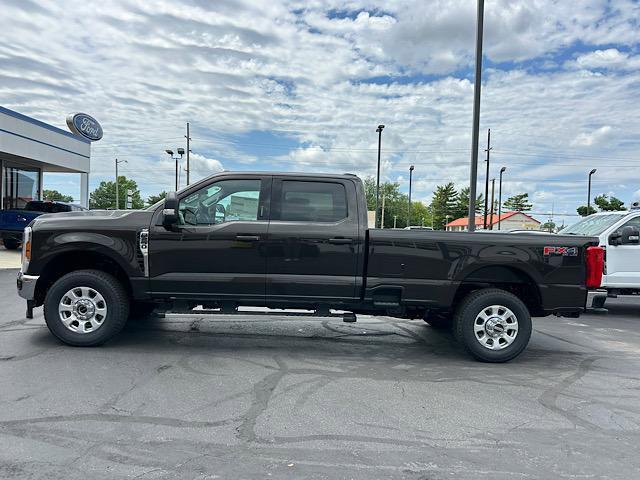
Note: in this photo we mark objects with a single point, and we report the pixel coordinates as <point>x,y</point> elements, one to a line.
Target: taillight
<point>594,261</point>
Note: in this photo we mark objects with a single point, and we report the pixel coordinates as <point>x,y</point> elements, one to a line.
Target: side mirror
<point>629,235</point>
<point>170,210</point>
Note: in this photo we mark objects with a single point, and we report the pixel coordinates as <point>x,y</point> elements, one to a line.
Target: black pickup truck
<point>296,241</point>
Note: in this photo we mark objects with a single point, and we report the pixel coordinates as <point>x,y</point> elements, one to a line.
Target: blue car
<point>12,222</point>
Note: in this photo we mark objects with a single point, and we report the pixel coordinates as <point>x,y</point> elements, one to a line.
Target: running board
<point>348,317</point>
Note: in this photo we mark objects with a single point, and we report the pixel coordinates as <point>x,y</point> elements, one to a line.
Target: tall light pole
<point>589,192</point>
<point>117,194</point>
<point>473,176</point>
<point>170,153</point>
<point>409,212</point>
<point>493,189</point>
<point>379,130</point>
<point>500,197</point>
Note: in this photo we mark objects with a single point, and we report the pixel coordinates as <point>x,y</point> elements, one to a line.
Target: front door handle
<point>248,238</point>
<point>340,241</point>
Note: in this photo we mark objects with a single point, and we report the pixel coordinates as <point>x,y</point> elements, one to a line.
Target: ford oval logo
<point>84,125</point>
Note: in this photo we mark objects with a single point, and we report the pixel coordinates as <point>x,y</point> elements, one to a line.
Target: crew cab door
<point>217,248</point>
<point>314,242</point>
<point>623,261</point>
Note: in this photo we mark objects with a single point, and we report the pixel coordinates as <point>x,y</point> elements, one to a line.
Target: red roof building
<point>507,221</point>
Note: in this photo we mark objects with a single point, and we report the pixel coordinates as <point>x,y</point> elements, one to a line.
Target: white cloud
<point>594,137</point>
<point>611,59</point>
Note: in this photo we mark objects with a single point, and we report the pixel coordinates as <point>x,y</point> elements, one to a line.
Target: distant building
<point>507,221</point>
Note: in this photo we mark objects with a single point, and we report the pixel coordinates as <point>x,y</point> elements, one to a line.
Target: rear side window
<point>313,202</point>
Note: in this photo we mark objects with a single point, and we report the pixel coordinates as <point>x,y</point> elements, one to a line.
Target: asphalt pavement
<point>280,397</point>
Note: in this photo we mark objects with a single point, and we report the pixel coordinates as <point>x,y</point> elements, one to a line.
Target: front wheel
<point>493,325</point>
<point>86,308</point>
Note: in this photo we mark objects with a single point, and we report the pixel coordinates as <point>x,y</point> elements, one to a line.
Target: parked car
<point>418,227</point>
<point>619,234</point>
<point>296,241</point>
<point>13,222</point>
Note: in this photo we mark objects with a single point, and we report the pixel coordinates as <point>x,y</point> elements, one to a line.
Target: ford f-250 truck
<point>296,241</point>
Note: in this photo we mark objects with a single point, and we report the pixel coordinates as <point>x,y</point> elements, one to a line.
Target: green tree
<point>462,203</point>
<point>443,204</point>
<point>549,226</point>
<point>518,203</point>
<point>396,204</point>
<point>606,204</point>
<point>104,197</point>
<point>582,210</point>
<point>56,196</point>
<point>156,198</point>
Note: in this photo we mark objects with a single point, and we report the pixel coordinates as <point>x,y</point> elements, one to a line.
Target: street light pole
<point>589,192</point>
<point>117,193</point>
<point>409,212</point>
<point>493,189</point>
<point>473,176</point>
<point>500,197</point>
<point>377,216</point>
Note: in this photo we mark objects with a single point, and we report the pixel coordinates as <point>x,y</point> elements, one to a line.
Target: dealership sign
<point>84,125</point>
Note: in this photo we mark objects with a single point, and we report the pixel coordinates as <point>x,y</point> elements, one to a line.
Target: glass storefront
<point>19,186</point>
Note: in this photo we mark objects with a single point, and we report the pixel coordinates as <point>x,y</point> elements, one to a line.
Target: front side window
<point>313,202</point>
<point>219,202</point>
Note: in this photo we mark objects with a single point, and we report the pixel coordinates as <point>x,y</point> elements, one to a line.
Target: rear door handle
<point>340,241</point>
<point>248,238</point>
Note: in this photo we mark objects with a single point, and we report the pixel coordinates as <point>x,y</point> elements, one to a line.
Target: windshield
<point>592,225</point>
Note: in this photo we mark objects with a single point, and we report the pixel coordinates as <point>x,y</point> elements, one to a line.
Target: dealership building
<point>28,148</point>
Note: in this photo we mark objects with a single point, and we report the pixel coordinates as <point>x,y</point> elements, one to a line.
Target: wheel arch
<point>73,260</point>
<point>504,277</point>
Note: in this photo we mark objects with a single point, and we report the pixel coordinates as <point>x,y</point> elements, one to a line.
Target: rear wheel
<point>86,308</point>
<point>11,243</point>
<point>493,325</point>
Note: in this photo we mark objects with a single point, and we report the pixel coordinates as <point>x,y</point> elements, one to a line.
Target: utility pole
<point>493,188</point>
<point>473,175</point>
<point>409,212</point>
<point>188,150</point>
<point>500,197</point>
<point>486,181</point>
<point>377,216</point>
<point>117,193</point>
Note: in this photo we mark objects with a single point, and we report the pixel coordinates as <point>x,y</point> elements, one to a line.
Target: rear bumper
<point>27,285</point>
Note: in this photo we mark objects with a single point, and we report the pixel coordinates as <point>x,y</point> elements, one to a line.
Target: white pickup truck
<point>619,234</point>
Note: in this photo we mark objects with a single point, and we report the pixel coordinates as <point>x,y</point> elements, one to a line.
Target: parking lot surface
<point>282,397</point>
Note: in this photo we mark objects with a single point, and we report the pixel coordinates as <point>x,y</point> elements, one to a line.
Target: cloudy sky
<point>302,85</point>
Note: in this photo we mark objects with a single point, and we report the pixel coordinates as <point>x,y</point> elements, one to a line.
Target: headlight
<point>26,249</point>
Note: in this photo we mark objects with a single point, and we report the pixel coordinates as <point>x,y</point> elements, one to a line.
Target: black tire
<point>472,305</point>
<point>115,298</point>
<point>439,321</point>
<point>141,310</point>
<point>11,243</point>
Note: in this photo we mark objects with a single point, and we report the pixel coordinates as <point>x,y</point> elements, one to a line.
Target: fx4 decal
<point>562,251</point>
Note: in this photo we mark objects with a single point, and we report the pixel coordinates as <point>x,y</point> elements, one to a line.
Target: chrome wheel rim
<point>82,310</point>
<point>495,327</point>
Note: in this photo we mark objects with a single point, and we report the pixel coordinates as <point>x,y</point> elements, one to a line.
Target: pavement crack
<point>549,398</point>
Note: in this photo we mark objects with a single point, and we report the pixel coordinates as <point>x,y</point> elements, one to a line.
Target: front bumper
<point>27,285</point>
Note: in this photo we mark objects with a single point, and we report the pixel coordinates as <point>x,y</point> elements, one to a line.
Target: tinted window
<point>223,201</point>
<point>47,207</point>
<point>634,222</point>
<point>313,202</point>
